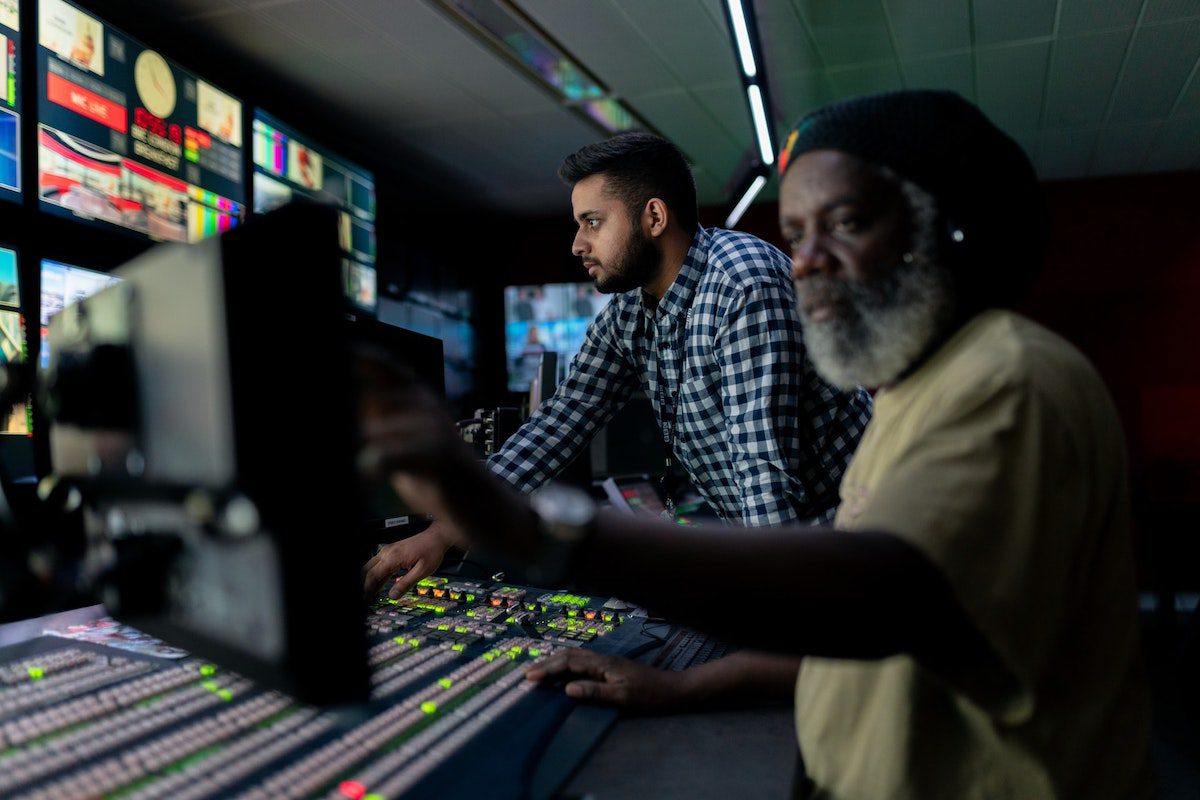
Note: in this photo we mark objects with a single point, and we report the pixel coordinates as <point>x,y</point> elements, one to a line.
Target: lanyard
<point>668,412</point>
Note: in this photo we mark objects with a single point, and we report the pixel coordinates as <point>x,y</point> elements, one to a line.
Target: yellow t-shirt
<point>1002,460</point>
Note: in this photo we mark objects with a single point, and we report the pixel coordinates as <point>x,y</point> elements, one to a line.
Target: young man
<point>703,321</point>
<point>969,627</point>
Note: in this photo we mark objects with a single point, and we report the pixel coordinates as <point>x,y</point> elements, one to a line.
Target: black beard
<point>633,267</point>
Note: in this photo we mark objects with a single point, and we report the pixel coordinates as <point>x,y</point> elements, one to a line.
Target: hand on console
<point>617,681</point>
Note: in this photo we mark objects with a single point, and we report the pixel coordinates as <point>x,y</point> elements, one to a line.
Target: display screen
<point>129,138</point>
<point>541,318</point>
<point>287,165</point>
<point>64,285</point>
<point>10,101</point>
<point>12,337</point>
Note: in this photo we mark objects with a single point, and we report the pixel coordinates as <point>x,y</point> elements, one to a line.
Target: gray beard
<point>880,328</point>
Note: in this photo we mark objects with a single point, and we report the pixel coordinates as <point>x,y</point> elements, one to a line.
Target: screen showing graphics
<point>286,165</point>
<point>10,101</point>
<point>540,318</point>
<point>64,285</point>
<point>128,138</point>
<point>12,337</point>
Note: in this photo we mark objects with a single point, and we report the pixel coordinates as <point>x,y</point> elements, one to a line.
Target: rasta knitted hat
<point>992,217</point>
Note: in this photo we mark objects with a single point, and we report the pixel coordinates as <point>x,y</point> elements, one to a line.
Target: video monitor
<point>541,318</point>
<point>10,100</point>
<point>127,138</point>
<point>12,339</point>
<point>287,165</point>
<point>64,285</point>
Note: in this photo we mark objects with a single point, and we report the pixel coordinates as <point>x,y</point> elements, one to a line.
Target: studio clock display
<point>155,83</point>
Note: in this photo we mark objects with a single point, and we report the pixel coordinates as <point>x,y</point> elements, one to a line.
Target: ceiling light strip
<point>741,35</point>
<point>748,198</point>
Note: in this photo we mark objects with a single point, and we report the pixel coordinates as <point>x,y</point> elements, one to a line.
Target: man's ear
<point>655,217</point>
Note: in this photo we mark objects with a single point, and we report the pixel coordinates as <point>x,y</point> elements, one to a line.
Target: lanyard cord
<point>669,412</point>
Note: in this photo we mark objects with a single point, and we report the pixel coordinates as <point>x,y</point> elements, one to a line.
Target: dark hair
<point>638,166</point>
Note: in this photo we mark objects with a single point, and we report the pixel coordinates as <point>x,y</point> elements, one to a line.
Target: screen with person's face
<point>552,317</point>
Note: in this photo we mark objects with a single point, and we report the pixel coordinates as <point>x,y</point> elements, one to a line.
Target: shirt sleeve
<point>599,383</point>
<point>760,359</point>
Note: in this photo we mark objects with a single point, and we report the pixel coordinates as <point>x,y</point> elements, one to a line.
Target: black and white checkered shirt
<point>763,439</point>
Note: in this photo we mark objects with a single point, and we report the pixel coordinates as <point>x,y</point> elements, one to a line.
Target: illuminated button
<point>36,673</point>
<point>589,613</point>
<point>439,592</point>
<point>207,670</point>
<point>445,683</point>
<point>423,590</point>
<point>352,789</point>
<point>429,706</point>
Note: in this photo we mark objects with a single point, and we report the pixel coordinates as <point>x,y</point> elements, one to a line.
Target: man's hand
<point>420,555</point>
<point>619,681</point>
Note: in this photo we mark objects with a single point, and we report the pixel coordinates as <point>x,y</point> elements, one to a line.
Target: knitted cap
<point>992,212</point>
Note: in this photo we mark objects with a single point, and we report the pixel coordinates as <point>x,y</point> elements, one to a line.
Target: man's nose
<point>579,246</point>
<point>809,256</point>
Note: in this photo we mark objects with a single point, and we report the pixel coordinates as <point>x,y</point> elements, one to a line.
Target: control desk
<point>450,714</point>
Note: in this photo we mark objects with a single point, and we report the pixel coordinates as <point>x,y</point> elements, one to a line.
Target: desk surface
<point>718,754</point>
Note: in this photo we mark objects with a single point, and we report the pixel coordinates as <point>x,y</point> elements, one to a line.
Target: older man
<point>968,627</point>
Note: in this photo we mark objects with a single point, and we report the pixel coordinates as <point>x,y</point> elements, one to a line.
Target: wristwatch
<point>566,519</point>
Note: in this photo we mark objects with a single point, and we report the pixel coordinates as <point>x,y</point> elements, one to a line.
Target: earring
<point>957,235</point>
<point>907,258</point>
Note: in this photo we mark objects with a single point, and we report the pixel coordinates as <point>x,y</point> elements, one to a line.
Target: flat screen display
<point>128,138</point>
<point>288,165</point>
<point>10,100</point>
<point>12,338</point>
<point>549,317</point>
<point>64,285</point>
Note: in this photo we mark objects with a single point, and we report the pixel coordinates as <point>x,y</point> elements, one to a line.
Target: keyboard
<point>688,648</point>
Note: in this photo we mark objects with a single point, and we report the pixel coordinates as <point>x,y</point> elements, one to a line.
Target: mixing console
<point>447,661</point>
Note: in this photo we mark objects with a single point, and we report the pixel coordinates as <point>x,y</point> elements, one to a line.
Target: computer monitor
<point>10,101</point>
<point>64,285</point>
<point>552,317</point>
<point>13,349</point>
<point>201,409</point>
<point>289,165</point>
<point>127,138</point>
<point>386,516</point>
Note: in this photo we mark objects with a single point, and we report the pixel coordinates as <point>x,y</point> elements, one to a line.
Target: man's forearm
<point>746,676</point>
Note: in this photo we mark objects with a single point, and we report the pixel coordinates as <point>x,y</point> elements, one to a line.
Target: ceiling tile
<point>955,73</point>
<point>726,103</point>
<point>1064,154</point>
<point>698,52</point>
<point>797,93</point>
<point>866,79</point>
<point>1121,148</point>
<point>707,141</point>
<point>922,27</point>
<point>604,42</point>
<point>1083,75</point>
<point>1189,104</point>
<point>998,21</point>
<point>1166,10</point>
<point>1159,64</point>
<point>1177,146</point>
<point>448,56</point>
<point>787,44</point>
<point>1011,82</point>
<point>1085,16</point>
<point>849,31</point>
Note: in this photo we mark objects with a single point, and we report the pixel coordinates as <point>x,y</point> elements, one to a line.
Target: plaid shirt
<point>762,438</point>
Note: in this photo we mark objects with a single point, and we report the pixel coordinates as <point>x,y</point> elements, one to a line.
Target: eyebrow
<point>582,215</point>
<point>837,202</point>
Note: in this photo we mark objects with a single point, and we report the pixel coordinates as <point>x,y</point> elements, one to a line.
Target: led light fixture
<point>513,35</point>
